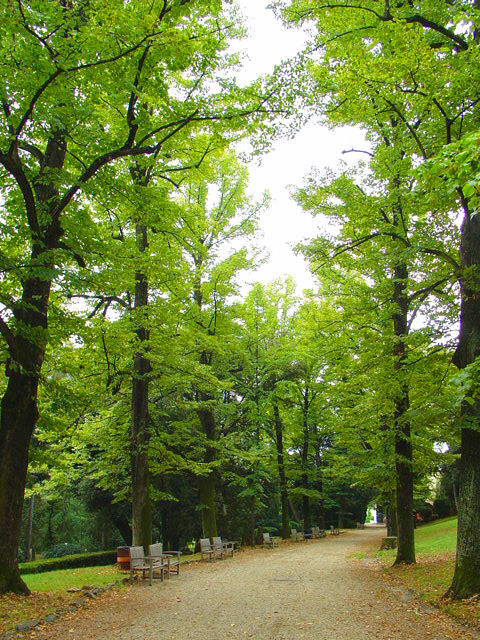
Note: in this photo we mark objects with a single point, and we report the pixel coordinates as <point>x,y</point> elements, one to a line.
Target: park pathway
<point>310,590</point>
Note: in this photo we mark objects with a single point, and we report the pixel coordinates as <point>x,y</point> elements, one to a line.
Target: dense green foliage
<point>146,393</point>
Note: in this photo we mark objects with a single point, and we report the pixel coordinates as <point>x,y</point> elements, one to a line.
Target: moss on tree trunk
<point>466,579</point>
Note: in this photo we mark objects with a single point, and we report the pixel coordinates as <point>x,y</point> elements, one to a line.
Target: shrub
<point>94,559</point>
<point>425,510</point>
<point>442,507</point>
<point>63,549</point>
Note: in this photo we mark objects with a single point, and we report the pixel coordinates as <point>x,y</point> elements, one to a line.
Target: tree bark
<point>466,579</point>
<point>281,472</point>
<point>403,443</point>
<point>28,534</point>
<point>392,529</point>
<point>19,415</point>
<point>206,484</point>
<point>307,514</point>
<point>27,343</point>
<point>140,429</point>
<point>319,464</point>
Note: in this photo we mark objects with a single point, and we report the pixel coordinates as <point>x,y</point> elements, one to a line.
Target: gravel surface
<point>311,590</point>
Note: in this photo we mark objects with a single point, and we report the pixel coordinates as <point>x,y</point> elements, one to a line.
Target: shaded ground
<point>310,590</point>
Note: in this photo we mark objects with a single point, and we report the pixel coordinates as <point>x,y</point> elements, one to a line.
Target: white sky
<point>289,161</point>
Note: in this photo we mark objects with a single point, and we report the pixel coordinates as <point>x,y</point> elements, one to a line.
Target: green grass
<point>49,592</point>
<point>432,538</point>
<point>63,579</point>
<point>435,544</point>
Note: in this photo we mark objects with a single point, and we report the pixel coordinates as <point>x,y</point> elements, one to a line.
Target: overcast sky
<point>289,161</point>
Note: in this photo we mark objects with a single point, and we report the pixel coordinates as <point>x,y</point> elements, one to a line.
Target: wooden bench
<point>140,562</point>
<point>334,531</point>
<point>206,549</point>
<point>296,535</point>
<point>268,541</point>
<point>226,547</point>
<point>156,551</point>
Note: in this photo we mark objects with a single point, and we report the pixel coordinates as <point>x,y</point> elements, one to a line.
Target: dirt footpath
<point>311,590</point>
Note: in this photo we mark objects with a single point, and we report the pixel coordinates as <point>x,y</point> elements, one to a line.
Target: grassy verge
<point>49,592</point>
<point>431,576</point>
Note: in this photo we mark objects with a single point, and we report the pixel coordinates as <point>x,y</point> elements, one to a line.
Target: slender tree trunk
<point>403,443</point>
<point>140,428</point>
<point>455,494</point>
<point>206,484</point>
<point>341,512</point>
<point>466,579</point>
<point>28,535</point>
<point>307,514</point>
<point>252,521</point>
<point>319,464</point>
<point>281,472</point>
<point>392,529</point>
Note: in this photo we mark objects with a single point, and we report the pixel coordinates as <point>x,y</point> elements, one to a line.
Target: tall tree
<point>71,110</point>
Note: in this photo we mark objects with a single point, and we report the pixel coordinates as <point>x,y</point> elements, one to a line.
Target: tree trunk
<point>403,443</point>
<point>121,522</point>
<point>26,346</point>
<point>28,534</point>
<point>206,484</point>
<point>466,579</point>
<point>341,512</point>
<point>19,415</point>
<point>281,472</point>
<point>392,529</point>
<point>252,521</point>
<point>140,429</point>
<point>307,514</point>
<point>318,464</point>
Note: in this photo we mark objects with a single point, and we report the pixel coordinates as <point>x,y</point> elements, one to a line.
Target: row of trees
<point>405,72</point>
<point>133,364</point>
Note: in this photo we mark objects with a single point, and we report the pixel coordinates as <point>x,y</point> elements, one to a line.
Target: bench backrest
<point>266,537</point>
<point>136,556</point>
<point>155,549</point>
<point>217,542</point>
<point>293,532</point>
<point>205,544</point>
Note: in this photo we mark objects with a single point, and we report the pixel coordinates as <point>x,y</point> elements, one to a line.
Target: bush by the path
<point>94,559</point>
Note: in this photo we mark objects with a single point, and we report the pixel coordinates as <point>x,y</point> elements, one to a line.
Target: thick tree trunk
<point>466,579</point>
<point>281,472</point>
<point>140,429</point>
<point>19,415</point>
<point>27,343</point>
<point>403,444</point>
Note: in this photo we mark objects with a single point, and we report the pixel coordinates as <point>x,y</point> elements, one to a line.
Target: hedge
<point>94,559</point>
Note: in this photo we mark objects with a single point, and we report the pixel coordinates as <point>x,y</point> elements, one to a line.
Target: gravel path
<point>312,590</point>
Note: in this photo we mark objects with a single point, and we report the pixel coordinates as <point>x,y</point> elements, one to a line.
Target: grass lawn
<point>435,549</point>
<point>49,592</point>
